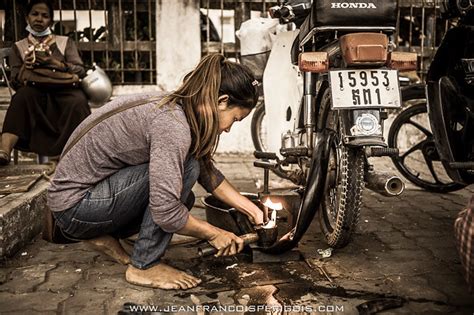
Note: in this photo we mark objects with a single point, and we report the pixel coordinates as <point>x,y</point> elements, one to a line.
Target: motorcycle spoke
<point>429,163</point>
<point>417,146</point>
<point>420,127</point>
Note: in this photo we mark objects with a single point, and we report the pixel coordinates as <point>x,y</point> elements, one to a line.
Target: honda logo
<point>353,5</point>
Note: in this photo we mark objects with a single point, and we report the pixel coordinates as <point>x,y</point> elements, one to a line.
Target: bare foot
<point>111,247</point>
<point>161,276</point>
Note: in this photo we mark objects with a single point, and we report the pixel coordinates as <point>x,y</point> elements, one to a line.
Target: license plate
<point>364,88</point>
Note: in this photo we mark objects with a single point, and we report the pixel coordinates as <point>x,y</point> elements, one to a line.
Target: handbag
<point>44,77</point>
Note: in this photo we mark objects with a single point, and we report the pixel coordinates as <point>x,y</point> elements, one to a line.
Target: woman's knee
<point>74,99</point>
<point>191,174</point>
<point>189,201</point>
<point>191,169</point>
<point>26,94</point>
<point>81,102</point>
<point>81,96</point>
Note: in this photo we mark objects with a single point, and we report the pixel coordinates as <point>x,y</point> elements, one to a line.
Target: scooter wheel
<point>259,134</point>
<point>257,127</point>
<point>418,160</point>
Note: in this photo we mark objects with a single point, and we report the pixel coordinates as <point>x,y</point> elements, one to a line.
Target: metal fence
<point>420,29</point>
<point>119,35</point>
<point>231,14</point>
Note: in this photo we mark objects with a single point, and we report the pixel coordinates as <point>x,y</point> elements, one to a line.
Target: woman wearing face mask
<point>130,167</point>
<point>41,120</point>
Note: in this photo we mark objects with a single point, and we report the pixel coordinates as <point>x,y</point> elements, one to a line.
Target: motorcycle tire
<point>340,208</point>
<point>257,127</point>
<point>404,118</point>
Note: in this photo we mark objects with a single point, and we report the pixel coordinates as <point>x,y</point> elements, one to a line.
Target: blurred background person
<point>38,119</point>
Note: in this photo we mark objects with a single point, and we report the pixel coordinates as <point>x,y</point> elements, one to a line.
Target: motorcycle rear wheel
<point>426,147</point>
<point>258,129</point>
<point>340,208</point>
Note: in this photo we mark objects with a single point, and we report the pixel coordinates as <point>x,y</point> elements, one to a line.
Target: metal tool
<point>263,238</point>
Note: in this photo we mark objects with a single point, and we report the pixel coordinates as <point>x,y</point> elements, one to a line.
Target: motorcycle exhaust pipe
<point>384,183</point>
<point>312,197</point>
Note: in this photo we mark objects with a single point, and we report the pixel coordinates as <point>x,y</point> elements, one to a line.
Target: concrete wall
<point>178,40</point>
<point>178,52</point>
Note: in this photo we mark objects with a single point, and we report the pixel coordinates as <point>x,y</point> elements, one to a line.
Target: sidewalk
<point>404,248</point>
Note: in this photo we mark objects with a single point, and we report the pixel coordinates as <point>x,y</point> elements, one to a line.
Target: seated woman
<point>41,120</point>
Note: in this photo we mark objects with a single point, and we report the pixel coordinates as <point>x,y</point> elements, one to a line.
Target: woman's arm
<point>15,62</point>
<point>225,242</point>
<point>231,196</point>
<point>73,60</point>
<point>213,181</point>
<point>69,62</point>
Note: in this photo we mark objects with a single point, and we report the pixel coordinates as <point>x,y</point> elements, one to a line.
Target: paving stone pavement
<point>402,252</point>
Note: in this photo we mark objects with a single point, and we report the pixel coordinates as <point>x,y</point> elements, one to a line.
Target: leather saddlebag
<point>354,12</point>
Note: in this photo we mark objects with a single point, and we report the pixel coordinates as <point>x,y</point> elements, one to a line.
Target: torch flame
<point>275,206</point>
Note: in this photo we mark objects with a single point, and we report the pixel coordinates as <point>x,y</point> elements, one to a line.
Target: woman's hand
<point>231,196</point>
<point>29,59</point>
<point>226,243</point>
<point>256,216</point>
<point>45,58</point>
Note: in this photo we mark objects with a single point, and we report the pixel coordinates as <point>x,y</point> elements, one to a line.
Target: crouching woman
<point>134,169</point>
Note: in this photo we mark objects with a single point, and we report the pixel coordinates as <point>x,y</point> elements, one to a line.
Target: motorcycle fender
<point>354,142</point>
<point>282,86</point>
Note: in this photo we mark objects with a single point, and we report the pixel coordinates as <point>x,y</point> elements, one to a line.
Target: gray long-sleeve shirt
<point>159,136</point>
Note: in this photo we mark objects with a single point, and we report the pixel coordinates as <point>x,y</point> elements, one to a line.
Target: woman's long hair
<point>198,95</point>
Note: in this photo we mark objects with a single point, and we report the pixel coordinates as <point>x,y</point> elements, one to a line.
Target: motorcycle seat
<point>305,29</point>
<point>382,14</point>
<point>377,13</point>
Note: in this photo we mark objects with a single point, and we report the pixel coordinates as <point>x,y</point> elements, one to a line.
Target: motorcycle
<point>329,86</point>
<point>447,101</point>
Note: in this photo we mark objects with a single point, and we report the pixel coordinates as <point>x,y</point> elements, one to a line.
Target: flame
<point>275,206</point>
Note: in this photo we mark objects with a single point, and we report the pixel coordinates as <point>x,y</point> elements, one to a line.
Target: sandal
<point>4,157</point>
